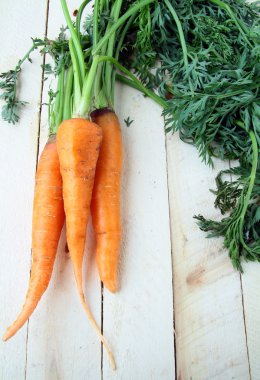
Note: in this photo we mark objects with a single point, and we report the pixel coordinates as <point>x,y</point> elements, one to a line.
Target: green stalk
<point>27,55</point>
<point>250,185</point>
<point>233,17</point>
<point>122,36</point>
<point>99,94</point>
<point>105,4</point>
<point>180,31</point>
<point>51,117</point>
<point>76,42</point>
<point>87,53</point>
<point>110,52</point>
<point>98,97</point>
<point>119,46</point>
<point>67,94</point>
<point>95,23</point>
<point>55,114</point>
<point>182,39</point>
<point>227,95</point>
<point>57,100</point>
<point>85,103</point>
<point>120,22</point>
<point>61,103</point>
<point>79,15</point>
<point>137,84</point>
<point>77,84</point>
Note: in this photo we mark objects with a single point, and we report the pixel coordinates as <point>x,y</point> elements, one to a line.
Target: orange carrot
<point>105,206</point>
<point>78,142</point>
<point>48,220</point>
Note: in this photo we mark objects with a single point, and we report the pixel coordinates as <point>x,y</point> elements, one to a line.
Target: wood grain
<point>139,319</point>
<point>17,170</point>
<point>210,332</point>
<point>251,291</point>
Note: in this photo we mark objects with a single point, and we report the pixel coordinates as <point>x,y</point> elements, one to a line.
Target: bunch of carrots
<point>79,170</point>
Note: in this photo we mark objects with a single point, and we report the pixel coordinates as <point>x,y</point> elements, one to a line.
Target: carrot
<point>78,142</point>
<point>105,205</point>
<point>48,220</point>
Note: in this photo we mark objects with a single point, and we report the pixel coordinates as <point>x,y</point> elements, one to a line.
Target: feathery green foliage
<point>209,69</point>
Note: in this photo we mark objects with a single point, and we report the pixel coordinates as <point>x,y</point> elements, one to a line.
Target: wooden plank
<point>210,332</point>
<point>138,321</point>
<point>251,291</point>
<point>62,344</point>
<point>19,21</point>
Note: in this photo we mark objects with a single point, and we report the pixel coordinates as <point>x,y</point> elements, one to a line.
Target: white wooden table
<point>183,312</point>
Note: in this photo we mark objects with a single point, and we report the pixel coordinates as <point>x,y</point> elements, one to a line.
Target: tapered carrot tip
<point>111,285</point>
<point>7,335</point>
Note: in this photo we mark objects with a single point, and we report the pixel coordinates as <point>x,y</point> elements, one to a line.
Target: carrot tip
<point>110,285</point>
<point>6,336</point>
<point>113,366</point>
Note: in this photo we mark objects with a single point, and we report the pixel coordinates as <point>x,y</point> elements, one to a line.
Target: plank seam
<point>37,156</point>
<point>42,85</point>
<point>243,306</point>
<point>244,317</point>
<point>102,330</point>
<point>172,261</point>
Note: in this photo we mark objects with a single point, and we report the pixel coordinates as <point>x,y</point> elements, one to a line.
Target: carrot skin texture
<point>48,220</point>
<point>78,142</point>
<point>105,205</point>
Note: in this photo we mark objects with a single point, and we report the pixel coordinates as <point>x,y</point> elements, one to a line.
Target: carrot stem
<point>61,103</point>
<point>27,55</point>
<point>55,109</point>
<point>120,22</point>
<point>85,104</point>
<point>110,50</point>
<point>137,83</point>
<point>228,9</point>
<point>79,16</point>
<point>67,96</point>
<point>75,40</point>
<point>180,31</point>
<point>118,49</point>
<point>95,23</point>
<point>77,82</point>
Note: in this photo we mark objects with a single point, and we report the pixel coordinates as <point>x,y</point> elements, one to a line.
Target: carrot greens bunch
<point>208,74</point>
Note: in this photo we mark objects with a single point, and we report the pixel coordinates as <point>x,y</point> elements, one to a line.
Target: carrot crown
<point>93,69</point>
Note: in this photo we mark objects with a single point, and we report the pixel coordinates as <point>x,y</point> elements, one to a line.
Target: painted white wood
<point>62,344</point>
<point>251,291</point>
<point>19,21</point>
<point>210,333</point>
<point>139,319</point>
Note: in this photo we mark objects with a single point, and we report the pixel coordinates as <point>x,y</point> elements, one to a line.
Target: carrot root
<point>105,205</point>
<point>78,142</point>
<point>48,220</point>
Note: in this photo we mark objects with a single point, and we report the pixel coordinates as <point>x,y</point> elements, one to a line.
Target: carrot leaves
<point>8,85</point>
<point>9,81</point>
<point>208,73</point>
